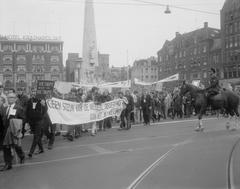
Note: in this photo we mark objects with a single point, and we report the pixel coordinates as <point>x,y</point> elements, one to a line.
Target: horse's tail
<point>233,99</point>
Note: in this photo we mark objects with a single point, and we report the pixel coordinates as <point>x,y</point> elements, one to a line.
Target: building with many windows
<point>73,65</point>
<point>102,70</point>
<point>230,27</point>
<point>24,60</point>
<point>191,54</point>
<point>145,70</point>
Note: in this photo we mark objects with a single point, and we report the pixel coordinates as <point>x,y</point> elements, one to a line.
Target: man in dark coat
<point>146,107</point>
<point>12,111</point>
<point>129,108</point>
<point>36,110</point>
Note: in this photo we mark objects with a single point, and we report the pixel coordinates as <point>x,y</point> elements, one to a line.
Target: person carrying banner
<point>94,96</point>
<point>123,113</point>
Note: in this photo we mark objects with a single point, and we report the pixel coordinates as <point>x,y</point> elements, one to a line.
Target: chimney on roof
<point>177,34</point>
<point>205,24</point>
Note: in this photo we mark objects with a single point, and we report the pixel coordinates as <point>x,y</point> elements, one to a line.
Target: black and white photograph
<point>119,94</point>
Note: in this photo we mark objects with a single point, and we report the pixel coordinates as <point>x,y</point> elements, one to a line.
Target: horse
<point>226,100</point>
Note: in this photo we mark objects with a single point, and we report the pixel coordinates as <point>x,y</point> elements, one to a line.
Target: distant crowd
<point>22,113</point>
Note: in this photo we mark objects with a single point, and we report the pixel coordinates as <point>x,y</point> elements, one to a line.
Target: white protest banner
<point>118,84</point>
<point>72,113</point>
<point>138,82</point>
<point>174,77</point>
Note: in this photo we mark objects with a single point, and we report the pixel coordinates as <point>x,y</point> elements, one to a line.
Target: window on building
<point>204,74</point>
<point>235,26</point>
<point>21,47</point>
<point>38,59</point>
<point>7,47</point>
<point>146,69</point>
<point>226,29</point>
<point>38,69</point>
<point>230,42</point>
<point>55,77</point>
<point>226,43</point>
<point>160,58</point>
<point>21,78</point>
<point>7,69</point>
<point>225,74</point>
<point>54,48</point>
<point>21,59</point>
<point>54,59</point>
<point>37,48</point>
<point>146,76</point>
<point>7,59</point>
<point>195,75</point>
<point>204,49</point>
<point>234,73</point>
<point>230,28</point>
<point>21,69</point>
<point>55,69</point>
<point>7,78</point>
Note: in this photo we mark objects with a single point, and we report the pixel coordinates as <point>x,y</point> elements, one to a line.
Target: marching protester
<point>94,96</point>
<point>12,119</point>
<point>137,105</point>
<point>129,108</point>
<point>123,113</point>
<point>22,101</point>
<point>106,123</point>
<point>3,95</point>
<point>36,109</point>
<point>146,107</point>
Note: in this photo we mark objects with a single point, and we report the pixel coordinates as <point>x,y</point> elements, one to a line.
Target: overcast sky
<point>121,25</point>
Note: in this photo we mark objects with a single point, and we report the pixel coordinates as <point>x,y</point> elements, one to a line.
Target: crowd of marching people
<point>21,113</point>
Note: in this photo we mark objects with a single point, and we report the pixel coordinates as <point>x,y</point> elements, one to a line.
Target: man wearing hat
<point>13,116</point>
<point>214,87</point>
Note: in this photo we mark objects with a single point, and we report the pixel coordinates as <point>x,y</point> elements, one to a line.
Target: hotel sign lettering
<point>30,37</point>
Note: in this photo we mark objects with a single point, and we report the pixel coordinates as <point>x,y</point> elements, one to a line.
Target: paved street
<point>166,155</point>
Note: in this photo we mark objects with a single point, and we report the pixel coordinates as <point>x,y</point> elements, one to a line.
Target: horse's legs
<point>236,118</point>
<point>230,122</point>
<point>200,124</point>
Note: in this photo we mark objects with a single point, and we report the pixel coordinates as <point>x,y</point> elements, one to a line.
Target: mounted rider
<point>214,87</point>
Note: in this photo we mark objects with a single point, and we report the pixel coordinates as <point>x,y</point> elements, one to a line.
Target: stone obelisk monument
<point>90,53</point>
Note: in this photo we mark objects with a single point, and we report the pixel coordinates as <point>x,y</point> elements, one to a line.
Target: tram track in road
<point>230,174</point>
<point>155,164</point>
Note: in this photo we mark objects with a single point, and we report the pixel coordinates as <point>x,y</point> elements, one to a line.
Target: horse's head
<point>184,88</point>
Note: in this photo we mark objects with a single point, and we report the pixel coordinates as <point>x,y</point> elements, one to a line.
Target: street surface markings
<point>103,152</point>
<point>125,141</point>
<point>146,172</point>
<point>169,122</point>
<point>99,149</point>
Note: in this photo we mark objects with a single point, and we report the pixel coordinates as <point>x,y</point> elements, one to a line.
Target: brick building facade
<point>25,60</point>
<point>191,54</point>
<point>230,27</point>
